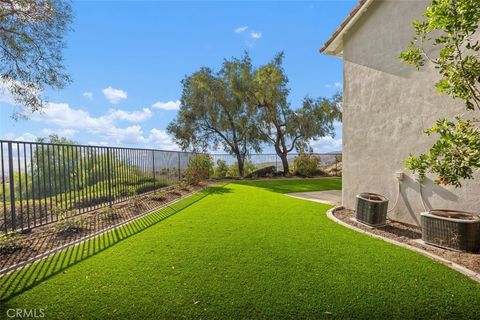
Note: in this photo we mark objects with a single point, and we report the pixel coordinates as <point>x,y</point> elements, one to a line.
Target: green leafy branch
<point>452,26</point>
<point>454,156</point>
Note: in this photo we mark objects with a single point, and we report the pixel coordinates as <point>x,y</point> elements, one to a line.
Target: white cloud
<point>256,34</point>
<point>250,37</point>
<point>128,135</point>
<point>95,143</point>
<point>88,95</point>
<point>170,105</point>
<point>114,95</point>
<point>70,121</point>
<point>336,85</point>
<point>67,133</point>
<point>5,95</point>
<point>30,137</point>
<point>160,139</point>
<point>241,29</point>
<point>62,115</point>
<point>326,144</point>
<point>135,116</point>
<point>27,136</point>
<point>133,135</point>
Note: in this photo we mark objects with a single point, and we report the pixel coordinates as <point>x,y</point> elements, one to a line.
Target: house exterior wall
<point>387,106</point>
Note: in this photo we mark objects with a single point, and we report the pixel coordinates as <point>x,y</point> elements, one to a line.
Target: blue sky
<point>127,59</point>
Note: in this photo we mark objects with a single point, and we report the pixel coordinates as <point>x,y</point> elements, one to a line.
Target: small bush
<point>58,211</point>
<point>164,171</point>
<point>66,225</point>
<point>11,242</point>
<point>198,168</point>
<point>233,170</point>
<point>159,195</point>
<point>262,172</point>
<point>133,199</point>
<point>183,185</point>
<point>221,169</point>
<point>108,214</point>
<point>248,168</point>
<point>305,165</point>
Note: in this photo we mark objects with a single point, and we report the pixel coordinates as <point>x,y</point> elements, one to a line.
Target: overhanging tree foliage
<point>215,112</point>
<point>32,38</point>
<point>451,25</point>
<point>286,128</point>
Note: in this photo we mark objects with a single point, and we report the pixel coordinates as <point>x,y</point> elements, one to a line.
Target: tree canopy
<point>32,38</point>
<point>215,112</point>
<point>289,129</point>
<point>452,26</point>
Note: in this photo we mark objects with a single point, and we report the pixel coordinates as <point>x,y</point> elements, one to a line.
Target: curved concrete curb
<point>467,272</point>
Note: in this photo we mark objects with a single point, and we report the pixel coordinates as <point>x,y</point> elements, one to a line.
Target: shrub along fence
<point>42,183</point>
<point>225,165</point>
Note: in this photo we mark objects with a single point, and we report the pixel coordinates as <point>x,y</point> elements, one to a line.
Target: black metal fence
<point>43,182</point>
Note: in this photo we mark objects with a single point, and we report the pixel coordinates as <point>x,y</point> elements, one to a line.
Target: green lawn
<point>296,185</point>
<point>241,252</point>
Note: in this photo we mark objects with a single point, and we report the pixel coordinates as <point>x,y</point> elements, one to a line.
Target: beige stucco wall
<point>387,106</point>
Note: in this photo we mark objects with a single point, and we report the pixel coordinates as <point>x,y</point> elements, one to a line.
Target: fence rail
<point>44,182</point>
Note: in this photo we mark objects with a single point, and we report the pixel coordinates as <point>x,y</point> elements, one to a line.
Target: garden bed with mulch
<point>31,243</point>
<point>410,235</point>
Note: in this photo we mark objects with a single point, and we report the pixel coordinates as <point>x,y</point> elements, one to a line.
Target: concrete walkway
<point>333,197</point>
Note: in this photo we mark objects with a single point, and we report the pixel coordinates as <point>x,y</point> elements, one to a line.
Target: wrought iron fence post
<point>12,187</point>
<point>276,163</point>
<point>179,174</point>
<point>210,159</point>
<point>153,170</point>
<point>109,179</point>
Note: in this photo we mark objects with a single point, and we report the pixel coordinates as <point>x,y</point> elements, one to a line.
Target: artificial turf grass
<point>244,252</point>
<point>295,184</point>
<point>17,282</point>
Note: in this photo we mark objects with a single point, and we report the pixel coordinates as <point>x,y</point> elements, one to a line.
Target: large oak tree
<point>215,112</point>
<point>289,129</point>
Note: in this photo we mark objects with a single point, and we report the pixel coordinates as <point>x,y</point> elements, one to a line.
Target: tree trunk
<point>241,164</point>
<point>286,169</point>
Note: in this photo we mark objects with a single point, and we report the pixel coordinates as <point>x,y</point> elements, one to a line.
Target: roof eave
<point>334,45</point>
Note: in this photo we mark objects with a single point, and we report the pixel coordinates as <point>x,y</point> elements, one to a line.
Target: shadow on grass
<point>295,184</point>
<point>219,189</point>
<point>29,276</point>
